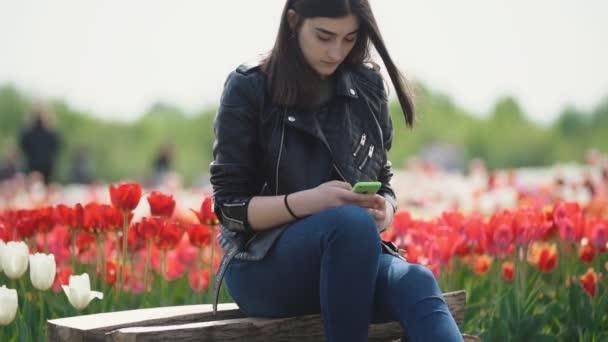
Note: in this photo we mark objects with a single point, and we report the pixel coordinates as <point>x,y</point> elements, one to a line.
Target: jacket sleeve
<point>235,170</point>
<point>386,124</point>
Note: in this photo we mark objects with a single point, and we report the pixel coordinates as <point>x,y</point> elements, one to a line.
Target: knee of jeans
<point>420,279</point>
<point>356,223</point>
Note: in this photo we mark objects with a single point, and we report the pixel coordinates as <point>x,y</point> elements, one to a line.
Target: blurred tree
<point>12,108</point>
<point>572,123</point>
<point>125,150</point>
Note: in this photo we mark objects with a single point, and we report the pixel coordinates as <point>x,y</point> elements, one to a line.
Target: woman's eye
<point>351,39</point>
<point>324,39</point>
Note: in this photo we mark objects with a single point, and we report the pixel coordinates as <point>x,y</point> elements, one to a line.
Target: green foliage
<point>120,150</point>
<point>535,306</point>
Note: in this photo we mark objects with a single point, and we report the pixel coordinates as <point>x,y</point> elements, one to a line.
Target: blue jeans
<point>331,263</point>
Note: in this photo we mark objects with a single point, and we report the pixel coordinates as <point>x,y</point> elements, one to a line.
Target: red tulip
<point>24,224</point>
<point>186,253</point>
<point>586,252</point>
<point>474,231</point>
<point>169,236</point>
<point>402,221</point>
<point>112,218</point>
<point>161,205</point>
<point>598,233</point>
<point>444,246</point>
<point>501,231</point>
<point>134,241</point>
<point>93,220</point>
<point>415,255</point>
<point>62,278</point>
<point>84,241</point>
<point>110,273</point>
<point>65,215</point>
<point>4,230</point>
<point>589,281</point>
<point>199,234</point>
<point>568,218</point>
<point>174,267</point>
<point>8,225</point>
<point>530,225</point>
<point>547,259</point>
<point>199,282</point>
<point>482,264</point>
<point>149,228</point>
<point>388,234</point>
<point>454,219</point>
<point>44,219</point>
<point>58,241</point>
<point>125,197</point>
<point>507,271</point>
<point>206,215</point>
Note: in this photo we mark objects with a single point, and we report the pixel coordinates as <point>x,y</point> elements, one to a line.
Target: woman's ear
<point>292,19</point>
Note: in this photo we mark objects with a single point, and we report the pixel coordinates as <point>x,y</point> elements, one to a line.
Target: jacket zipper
<point>367,157</point>
<point>339,173</point>
<point>276,192</point>
<point>361,144</point>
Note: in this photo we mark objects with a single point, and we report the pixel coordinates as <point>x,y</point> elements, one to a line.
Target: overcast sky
<point>115,58</point>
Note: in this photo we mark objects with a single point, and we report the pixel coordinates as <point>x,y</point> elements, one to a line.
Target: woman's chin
<point>326,72</point>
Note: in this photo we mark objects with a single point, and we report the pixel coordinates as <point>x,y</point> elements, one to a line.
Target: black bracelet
<point>289,209</point>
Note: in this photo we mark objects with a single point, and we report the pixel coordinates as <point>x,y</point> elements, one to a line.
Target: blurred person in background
<point>40,143</point>
<point>163,163</point>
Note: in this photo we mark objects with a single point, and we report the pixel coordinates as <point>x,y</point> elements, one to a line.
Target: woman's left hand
<point>379,211</point>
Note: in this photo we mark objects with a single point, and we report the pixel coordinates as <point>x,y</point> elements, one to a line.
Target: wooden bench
<point>197,323</point>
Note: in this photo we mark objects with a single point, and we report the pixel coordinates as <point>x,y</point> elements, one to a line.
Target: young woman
<point>293,134</point>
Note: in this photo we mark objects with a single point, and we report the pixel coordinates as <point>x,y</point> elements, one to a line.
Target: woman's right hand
<point>336,193</point>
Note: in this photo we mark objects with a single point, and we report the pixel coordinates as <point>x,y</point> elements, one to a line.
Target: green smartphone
<point>367,187</point>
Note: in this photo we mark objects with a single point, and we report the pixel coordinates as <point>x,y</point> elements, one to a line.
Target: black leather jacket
<point>268,149</point>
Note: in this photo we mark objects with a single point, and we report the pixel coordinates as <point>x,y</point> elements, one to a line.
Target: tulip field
<point>530,247</point>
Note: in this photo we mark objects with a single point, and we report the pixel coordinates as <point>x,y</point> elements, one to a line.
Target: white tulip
<point>2,245</point>
<point>42,270</point>
<point>15,259</point>
<point>8,305</point>
<point>79,291</point>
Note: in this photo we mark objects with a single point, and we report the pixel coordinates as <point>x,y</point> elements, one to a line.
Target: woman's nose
<point>335,53</point>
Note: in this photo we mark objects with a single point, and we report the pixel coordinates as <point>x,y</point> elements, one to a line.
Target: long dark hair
<point>292,82</point>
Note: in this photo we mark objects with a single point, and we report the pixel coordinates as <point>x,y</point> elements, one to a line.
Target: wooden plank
<point>301,329</point>
<point>93,327</point>
<point>195,322</point>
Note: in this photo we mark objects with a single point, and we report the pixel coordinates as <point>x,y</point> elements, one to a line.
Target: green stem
<point>200,269</point>
<point>22,286</point>
<point>146,269</point>
<point>163,280</point>
<point>104,271</point>
<point>517,282</point>
<point>42,320</point>
<point>125,227</point>
<point>132,283</point>
<point>98,258</point>
<point>73,250</point>
<point>116,249</point>
<point>46,243</point>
